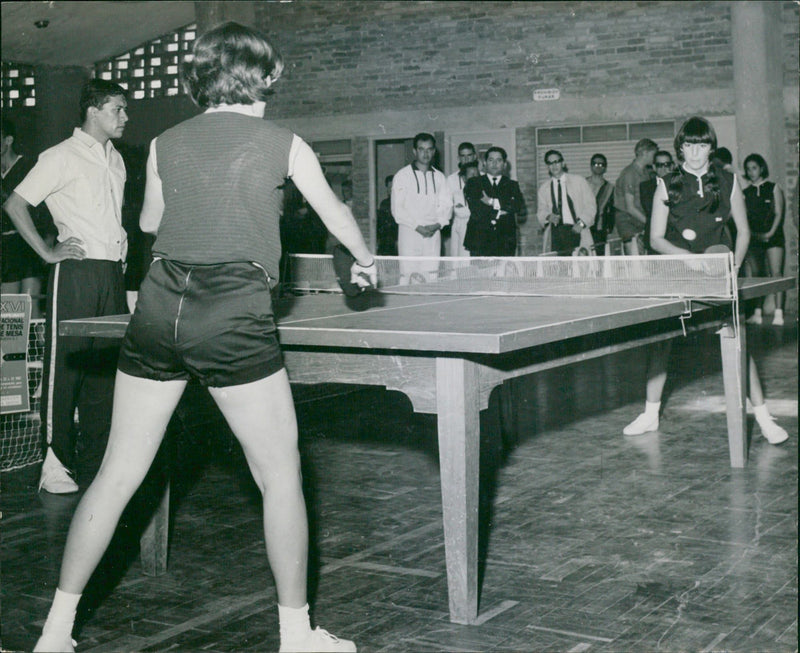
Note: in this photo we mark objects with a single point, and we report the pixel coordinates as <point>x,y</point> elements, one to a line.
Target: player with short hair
<point>213,198</point>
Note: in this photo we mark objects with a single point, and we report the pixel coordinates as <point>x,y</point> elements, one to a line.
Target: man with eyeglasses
<point>566,205</point>
<point>630,217</point>
<point>604,197</point>
<point>455,183</point>
<point>663,165</point>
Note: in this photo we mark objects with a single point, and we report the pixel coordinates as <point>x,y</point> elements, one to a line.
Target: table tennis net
<point>690,276</point>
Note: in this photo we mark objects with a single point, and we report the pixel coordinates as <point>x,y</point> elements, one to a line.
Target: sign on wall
<point>15,321</point>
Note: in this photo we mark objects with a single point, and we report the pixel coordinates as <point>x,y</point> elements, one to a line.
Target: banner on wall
<point>15,322</point>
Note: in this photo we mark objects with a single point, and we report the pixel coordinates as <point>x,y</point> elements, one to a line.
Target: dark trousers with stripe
<point>79,372</point>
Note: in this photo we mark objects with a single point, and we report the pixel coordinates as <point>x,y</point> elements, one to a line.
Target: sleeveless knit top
<point>221,176</point>
<point>691,223</point>
<point>759,201</point>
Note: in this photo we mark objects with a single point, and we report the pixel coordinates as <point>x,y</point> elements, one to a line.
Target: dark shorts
<point>777,240</point>
<point>213,323</point>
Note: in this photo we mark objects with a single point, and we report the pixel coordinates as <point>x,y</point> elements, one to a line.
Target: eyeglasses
<point>665,164</point>
<point>599,164</point>
<point>554,161</point>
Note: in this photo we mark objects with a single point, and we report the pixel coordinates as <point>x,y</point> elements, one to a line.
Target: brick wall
<point>791,37</point>
<point>361,188</point>
<point>359,56</point>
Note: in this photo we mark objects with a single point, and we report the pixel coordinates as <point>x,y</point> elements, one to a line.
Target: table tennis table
<point>447,354</point>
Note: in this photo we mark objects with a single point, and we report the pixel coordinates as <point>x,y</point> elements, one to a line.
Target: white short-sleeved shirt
<point>82,183</point>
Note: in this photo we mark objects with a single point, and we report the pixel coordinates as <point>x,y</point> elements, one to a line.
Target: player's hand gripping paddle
<point>353,278</point>
<point>711,249</point>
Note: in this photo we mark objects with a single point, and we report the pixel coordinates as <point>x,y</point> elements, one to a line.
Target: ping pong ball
<point>689,234</point>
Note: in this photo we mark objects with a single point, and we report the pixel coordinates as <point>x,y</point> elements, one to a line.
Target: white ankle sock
<point>294,623</point>
<point>651,408</point>
<point>762,413</point>
<point>62,613</point>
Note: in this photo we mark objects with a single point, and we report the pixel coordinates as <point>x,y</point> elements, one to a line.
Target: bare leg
<point>262,417</point>
<point>775,267</point>
<point>774,433</point>
<point>657,370</point>
<point>755,392</point>
<point>32,286</point>
<point>657,359</point>
<point>142,409</point>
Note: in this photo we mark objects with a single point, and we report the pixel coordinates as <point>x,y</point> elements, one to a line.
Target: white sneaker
<point>319,641</point>
<point>54,643</point>
<point>755,318</point>
<point>55,478</point>
<point>777,319</point>
<point>642,424</point>
<point>774,433</point>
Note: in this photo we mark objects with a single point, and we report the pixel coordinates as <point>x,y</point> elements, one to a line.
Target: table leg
<point>734,374</point>
<point>154,540</point>
<point>458,413</point>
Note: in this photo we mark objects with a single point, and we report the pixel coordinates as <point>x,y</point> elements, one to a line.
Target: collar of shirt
<point>699,177</point>
<point>424,172</point>
<point>253,110</point>
<point>92,143</point>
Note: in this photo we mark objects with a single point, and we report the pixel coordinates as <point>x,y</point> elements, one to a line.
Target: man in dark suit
<point>664,165</point>
<point>496,207</point>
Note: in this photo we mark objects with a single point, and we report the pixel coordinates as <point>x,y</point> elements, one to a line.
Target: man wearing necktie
<point>566,205</point>
<point>496,207</point>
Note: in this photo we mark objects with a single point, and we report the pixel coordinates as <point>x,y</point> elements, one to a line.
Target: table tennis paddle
<point>342,265</point>
<point>717,249</point>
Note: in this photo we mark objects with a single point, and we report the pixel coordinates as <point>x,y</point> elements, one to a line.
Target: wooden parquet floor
<point>591,541</point>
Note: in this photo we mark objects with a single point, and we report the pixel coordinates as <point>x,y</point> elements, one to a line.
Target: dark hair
<point>550,153</point>
<point>462,169</point>
<point>96,92</point>
<point>723,155</point>
<point>694,130</point>
<point>595,157</point>
<point>232,64</point>
<point>645,145</point>
<point>9,128</point>
<point>388,179</point>
<point>466,146</point>
<point>756,158</point>
<point>495,148</point>
<point>423,136</point>
<point>663,153</point>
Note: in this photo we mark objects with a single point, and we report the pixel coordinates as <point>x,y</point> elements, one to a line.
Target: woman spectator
<point>765,211</point>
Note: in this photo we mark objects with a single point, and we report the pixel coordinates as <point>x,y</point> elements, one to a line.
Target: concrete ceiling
<point>82,33</point>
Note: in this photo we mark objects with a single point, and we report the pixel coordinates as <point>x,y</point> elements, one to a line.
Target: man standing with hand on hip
<point>81,180</point>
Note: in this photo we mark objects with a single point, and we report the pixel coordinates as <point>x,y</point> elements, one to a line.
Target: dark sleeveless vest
<point>692,224</point>
<point>221,176</point>
<point>760,203</point>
